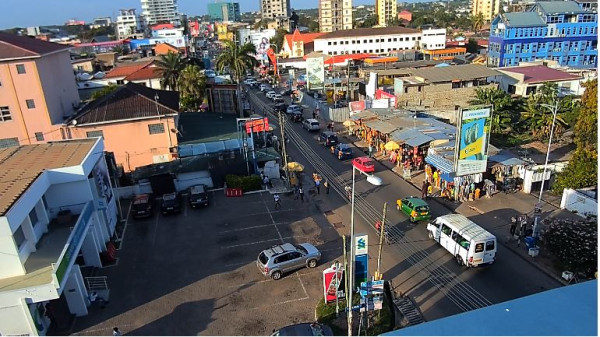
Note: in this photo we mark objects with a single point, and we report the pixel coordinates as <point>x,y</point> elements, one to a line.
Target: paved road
<point>417,266</point>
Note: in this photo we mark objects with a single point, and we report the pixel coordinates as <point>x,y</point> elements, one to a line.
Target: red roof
<point>14,46</point>
<point>145,74</point>
<point>162,26</point>
<point>126,70</point>
<point>341,58</point>
<point>297,36</point>
<point>537,74</point>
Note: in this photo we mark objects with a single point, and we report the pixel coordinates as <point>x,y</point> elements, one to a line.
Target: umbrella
<point>295,167</point>
<point>391,146</point>
<point>349,123</point>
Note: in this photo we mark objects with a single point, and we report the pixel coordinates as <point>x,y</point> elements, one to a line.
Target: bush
<point>574,244</point>
<point>247,184</point>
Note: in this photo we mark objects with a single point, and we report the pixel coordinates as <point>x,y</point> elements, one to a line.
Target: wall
<point>433,39</point>
<point>56,69</point>
<point>578,202</point>
<point>14,321</point>
<point>409,41</point>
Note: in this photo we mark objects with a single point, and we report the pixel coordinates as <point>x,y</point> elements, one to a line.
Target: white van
<point>470,244</point>
<point>311,124</point>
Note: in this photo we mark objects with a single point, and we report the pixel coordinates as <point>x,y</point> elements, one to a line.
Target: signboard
<point>380,94</point>
<point>357,106</point>
<point>273,58</point>
<point>371,85</point>
<point>361,244</point>
<point>380,103</point>
<point>333,285</point>
<point>473,130</point>
<point>361,256</point>
<point>315,73</point>
<point>371,294</point>
<point>257,125</point>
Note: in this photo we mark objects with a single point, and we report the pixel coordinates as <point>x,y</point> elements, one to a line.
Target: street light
<point>374,180</point>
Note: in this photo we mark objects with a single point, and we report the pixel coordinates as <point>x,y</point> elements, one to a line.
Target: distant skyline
<point>28,13</point>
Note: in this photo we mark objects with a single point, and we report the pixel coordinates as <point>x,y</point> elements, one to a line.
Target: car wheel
<point>430,235</point>
<point>412,219</point>
<point>312,263</point>
<point>459,260</point>
<point>276,275</point>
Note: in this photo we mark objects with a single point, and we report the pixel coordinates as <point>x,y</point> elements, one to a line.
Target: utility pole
<point>381,235</point>
<point>283,151</point>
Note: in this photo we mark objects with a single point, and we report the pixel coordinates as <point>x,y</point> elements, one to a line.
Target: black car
<point>280,107</point>
<point>198,196</point>
<point>328,138</point>
<point>142,206</point>
<point>171,203</point>
<point>304,329</point>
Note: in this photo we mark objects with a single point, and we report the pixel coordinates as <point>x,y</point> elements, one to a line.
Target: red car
<point>364,164</point>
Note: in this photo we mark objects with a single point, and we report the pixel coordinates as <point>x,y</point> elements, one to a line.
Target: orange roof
<point>297,36</point>
<point>162,26</point>
<point>145,74</point>
<point>341,58</point>
<point>126,70</point>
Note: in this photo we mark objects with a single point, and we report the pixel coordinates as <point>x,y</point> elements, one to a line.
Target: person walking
<point>370,150</point>
<point>116,332</point>
<point>318,186</point>
<point>424,190</point>
<point>326,185</point>
<point>276,199</point>
<point>513,226</point>
<point>301,193</point>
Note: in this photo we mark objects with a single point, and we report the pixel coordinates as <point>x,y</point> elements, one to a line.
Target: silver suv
<point>286,257</point>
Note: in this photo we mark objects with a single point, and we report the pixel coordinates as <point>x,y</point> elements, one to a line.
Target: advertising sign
<point>357,106</point>
<point>273,58</point>
<point>473,130</point>
<point>257,125</point>
<point>194,28</point>
<point>333,285</point>
<point>371,85</point>
<point>315,73</point>
<point>380,103</point>
<point>361,251</point>
<point>380,94</point>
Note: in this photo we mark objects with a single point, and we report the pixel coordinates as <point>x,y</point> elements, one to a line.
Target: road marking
<point>257,242</point>
<point>122,238</point>
<point>302,284</point>
<point>251,227</point>
<point>280,303</point>
<point>272,220</point>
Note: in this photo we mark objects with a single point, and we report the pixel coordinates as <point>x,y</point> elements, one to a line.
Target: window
<point>329,43</point>
<point>20,69</point>
<point>93,134</point>
<point>156,128</point>
<point>30,103</point>
<point>19,237</point>
<point>33,217</point>
<point>282,258</point>
<point>39,136</point>
<point>446,230</point>
<point>8,142</point>
<point>479,247</point>
<point>490,245</point>
<point>5,114</point>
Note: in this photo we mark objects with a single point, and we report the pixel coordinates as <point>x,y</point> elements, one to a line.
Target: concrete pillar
<point>90,249</point>
<point>75,293</point>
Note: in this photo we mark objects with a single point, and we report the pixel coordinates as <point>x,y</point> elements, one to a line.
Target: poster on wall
<point>315,72</point>
<point>380,103</point>
<point>103,183</point>
<point>471,152</point>
<point>334,286</point>
<point>357,106</point>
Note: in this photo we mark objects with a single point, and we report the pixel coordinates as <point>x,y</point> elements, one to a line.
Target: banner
<point>273,58</point>
<point>315,73</point>
<point>380,94</point>
<point>471,151</point>
<point>380,103</point>
<point>357,106</point>
<point>334,285</point>
<point>194,27</point>
<point>257,125</point>
<point>371,85</point>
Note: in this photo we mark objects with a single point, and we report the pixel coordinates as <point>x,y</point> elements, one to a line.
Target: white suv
<point>311,124</point>
<point>270,94</point>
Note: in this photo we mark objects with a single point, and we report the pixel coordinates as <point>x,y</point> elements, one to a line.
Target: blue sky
<point>24,13</point>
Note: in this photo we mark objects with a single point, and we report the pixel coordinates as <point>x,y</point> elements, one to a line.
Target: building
<point>271,9</point>
<point>487,8</point>
<point>160,11</point>
<point>101,22</point>
<point>405,16</point>
<point>446,54</point>
<point>224,11</point>
<point>280,22</point>
<point>298,44</point>
<point>386,11</point>
<point>335,15</point>
<point>559,31</point>
<point>526,80</point>
<point>58,213</point>
<point>133,111</point>
<point>433,38</point>
<point>128,24</point>
<point>37,91</point>
<point>166,31</point>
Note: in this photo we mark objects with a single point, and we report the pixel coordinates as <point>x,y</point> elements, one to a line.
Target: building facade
<point>159,11</point>
<point>528,79</point>
<point>224,11</point>
<point>386,10</point>
<point>559,31</point>
<point>335,15</point>
<point>271,9</point>
<point>128,24</point>
<point>298,44</point>
<point>38,90</point>
<point>487,8</point>
<point>58,213</point>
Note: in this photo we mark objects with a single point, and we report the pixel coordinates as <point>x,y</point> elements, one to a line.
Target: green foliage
<point>506,109</point>
<point>538,114</point>
<point>574,243</point>
<point>104,91</point>
<point>170,65</point>
<point>477,22</point>
<point>582,171</point>
<point>191,84</point>
<point>313,26</point>
<point>278,38</point>
<point>586,129</point>
<point>369,22</point>
<point>238,59</point>
<point>247,184</point>
<point>472,46</point>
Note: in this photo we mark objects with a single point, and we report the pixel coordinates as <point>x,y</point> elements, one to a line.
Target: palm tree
<point>191,84</point>
<point>506,109</point>
<point>538,118</point>
<point>477,22</point>
<point>238,59</point>
<point>170,66</point>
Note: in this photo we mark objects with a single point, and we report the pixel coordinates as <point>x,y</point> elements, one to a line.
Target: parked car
<point>311,124</point>
<point>142,206</point>
<point>270,94</point>
<point>304,329</point>
<point>277,98</point>
<point>287,257</point>
<point>328,138</point>
<point>265,87</point>
<point>342,151</point>
<point>293,108</point>
<point>280,107</point>
<point>416,208</point>
<point>364,164</point>
<point>171,203</point>
<point>198,196</point>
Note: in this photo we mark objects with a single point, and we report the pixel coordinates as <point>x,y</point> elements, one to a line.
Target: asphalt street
<point>417,266</point>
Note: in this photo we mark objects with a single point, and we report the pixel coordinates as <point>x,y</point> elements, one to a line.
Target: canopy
<point>349,123</point>
<point>391,146</point>
<point>295,167</point>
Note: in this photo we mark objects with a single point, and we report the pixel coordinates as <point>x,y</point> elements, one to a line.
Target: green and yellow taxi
<point>416,208</point>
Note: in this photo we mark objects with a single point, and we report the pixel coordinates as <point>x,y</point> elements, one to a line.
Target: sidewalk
<point>493,213</point>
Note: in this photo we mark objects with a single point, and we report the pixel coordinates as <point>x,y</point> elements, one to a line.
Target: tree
<point>238,59</point>
<point>506,109</point>
<point>313,26</point>
<point>119,50</point>
<point>104,91</point>
<point>170,65</point>
<point>369,22</point>
<point>264,23</point>
<point>278,38</point>
<point>574,243</point>
<point>477,22</point>
<point>472,46</point>
<point>537,118</point>
<point>586,129</point>
<point>191,84</point>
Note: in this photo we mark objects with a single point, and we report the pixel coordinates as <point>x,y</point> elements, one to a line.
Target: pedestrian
<point>326,185</point>
<point>318,185</point>
<point>513,226</point>
<point>429,190</point>
<point>94,298</point>
<point>276,199</point>
<point>301,193</point>
<point>370,150</point>
<point>424,190</point>
<point>314,114</point>
<point>116,332</point>
<point>266,181</point>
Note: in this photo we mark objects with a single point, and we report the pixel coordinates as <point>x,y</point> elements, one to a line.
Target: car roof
<point>305,329</point>
<point>198,188</point>
<point>141,198</point>
<point>278,249</point>
<point>343,146</point>
<point>310,120</point>
<point>417,201</point>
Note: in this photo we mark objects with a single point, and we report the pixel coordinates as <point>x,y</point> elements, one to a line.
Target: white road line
<point>122,238</point>
<point>257,242</point>
<point>272,220</point>
<point>251,227</point>
<point>280,303</point>
<point>302,284</point>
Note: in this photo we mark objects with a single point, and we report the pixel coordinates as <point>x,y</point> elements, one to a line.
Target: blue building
<point>561,31</point>
<point>224,11</point>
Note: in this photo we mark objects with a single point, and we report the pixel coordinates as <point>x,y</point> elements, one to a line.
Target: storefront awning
<point>506,158</point>
<point>366,114</point>
<point>419,140</point>
<point>383,127</point>
<point>439,163</point>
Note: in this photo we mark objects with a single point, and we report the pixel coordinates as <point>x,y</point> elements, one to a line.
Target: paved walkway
<point>493,213</point>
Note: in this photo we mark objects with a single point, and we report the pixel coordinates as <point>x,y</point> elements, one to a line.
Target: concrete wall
<point>578,202</point>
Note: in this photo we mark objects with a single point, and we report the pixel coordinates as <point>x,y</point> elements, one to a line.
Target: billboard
<point>315,72</point>
<point>257,125</point>
<point>471,150</point>
<point>334,286</point>
<point>357,106</point>
<point>361,257</point>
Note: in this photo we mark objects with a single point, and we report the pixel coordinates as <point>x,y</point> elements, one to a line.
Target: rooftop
<point>523,19</point>
<point>17,47</point>
<point>21,165</point>
<point>297,36</point>
<point>540,74</point>
<point>560,7</point>
<point>124,70</point>
<point>145,74</point>
<point>368,32</point>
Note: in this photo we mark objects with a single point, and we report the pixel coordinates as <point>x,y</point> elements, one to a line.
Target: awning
<point>449,177</point>
<point>381,126</point>
<point>439,163</point>
<point>506,158</point>
<point>419,140</point>
<point>365,114</point>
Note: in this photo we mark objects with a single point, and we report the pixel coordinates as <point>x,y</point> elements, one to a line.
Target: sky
<point>27,13</point>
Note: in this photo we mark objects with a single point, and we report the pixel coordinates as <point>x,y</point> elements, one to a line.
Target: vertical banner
<point>273,58</point>
<point>315,73</point>
<point>471,150</point>
<point>361,255</point>
<point>334,285</point>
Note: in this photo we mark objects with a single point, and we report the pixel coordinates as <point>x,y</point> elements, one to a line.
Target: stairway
<point>409,311</point>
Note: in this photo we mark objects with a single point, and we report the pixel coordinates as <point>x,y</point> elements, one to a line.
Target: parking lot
<point>195,273</point>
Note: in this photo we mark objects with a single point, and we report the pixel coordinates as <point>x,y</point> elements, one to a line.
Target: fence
<point>327,113</point>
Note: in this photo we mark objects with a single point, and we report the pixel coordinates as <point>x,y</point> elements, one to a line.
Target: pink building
<point>405,16</point>
<point>37,90</point>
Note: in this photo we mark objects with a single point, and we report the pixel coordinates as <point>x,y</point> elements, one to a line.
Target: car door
<point>406,207</point>
<point>281,262</point>
<point>296,260</point>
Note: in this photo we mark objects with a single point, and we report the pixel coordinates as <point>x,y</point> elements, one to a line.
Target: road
<point>417,266</point>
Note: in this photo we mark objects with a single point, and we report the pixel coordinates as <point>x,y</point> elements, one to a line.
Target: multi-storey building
<point>224,11</point>
<point>335,15</point>
<point>559,31</point>
<point>37,90</point>
<point>128,24</point>
<point>487,8</point>
<point>160,11</point>
<point>386,10</point>
<point>275,8</point>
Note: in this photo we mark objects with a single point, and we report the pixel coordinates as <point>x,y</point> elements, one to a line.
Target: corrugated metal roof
<point>15,46</point>
<point>456,72</point>
<point>523,19</point>
<point>506,158</point>
<point>365,114</point>
<point>559,7</point>
<point>419,140</point>
<point>381,126</point>
<point>439,162</point>
<point>360,32</point>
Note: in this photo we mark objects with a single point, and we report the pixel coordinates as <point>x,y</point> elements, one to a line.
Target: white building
<point>433,38</point>
<point>128,24</point>
<point>335,15</point>
<point>157,11</point>
<point>170,33</point>
<point>528,79</point>
<point>57,213</point>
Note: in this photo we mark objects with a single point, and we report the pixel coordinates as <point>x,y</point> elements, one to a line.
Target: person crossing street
<point>277,203</point>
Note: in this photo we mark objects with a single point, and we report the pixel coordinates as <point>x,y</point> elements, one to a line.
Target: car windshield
<point>422,209</point>
<point>301,249</point>
<point>263,258</point>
